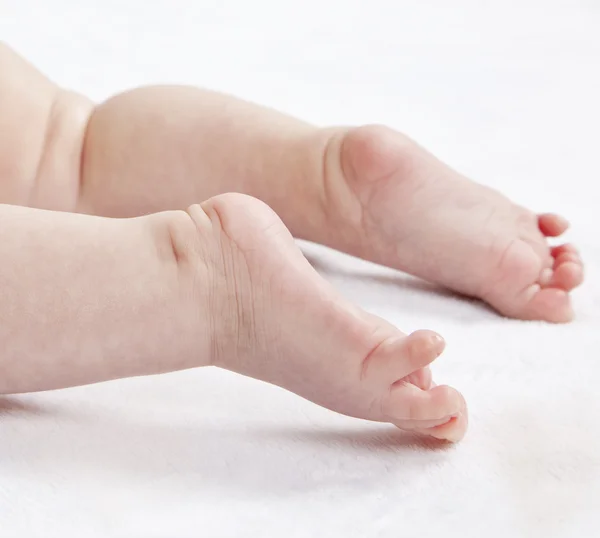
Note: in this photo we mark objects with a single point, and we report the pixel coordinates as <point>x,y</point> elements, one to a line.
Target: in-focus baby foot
<point>277,320</point>
<point>404,208</point>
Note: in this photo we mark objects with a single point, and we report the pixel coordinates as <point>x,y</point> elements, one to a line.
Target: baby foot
<point>276,319</point>
<point>404,208</point>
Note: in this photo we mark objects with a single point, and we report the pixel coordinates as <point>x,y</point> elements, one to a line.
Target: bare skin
<point>368,191</point>
<point>222,284</point>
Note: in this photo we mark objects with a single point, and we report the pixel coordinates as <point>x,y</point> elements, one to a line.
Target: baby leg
<point>87,299</point>
<point>42,129</point>
<point>368,191</point>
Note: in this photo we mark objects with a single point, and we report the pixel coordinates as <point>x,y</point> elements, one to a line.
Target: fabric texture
<point>505,92</point>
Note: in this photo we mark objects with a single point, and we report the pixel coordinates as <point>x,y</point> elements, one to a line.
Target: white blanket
<point>508,93</point>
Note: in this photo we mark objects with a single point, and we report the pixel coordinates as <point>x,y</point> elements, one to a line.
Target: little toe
<point>552,225</point>
<point>548,304</point>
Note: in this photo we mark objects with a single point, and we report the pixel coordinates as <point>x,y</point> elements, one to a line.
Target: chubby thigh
<point>42,129</point>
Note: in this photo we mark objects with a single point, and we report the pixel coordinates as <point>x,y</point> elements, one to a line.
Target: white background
<point>508,93</point>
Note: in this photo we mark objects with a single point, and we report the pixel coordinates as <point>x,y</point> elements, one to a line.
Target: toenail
<point>436,340</point>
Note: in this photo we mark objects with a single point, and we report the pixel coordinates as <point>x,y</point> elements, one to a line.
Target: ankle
<point>183,242</point>
<point>216,246</point>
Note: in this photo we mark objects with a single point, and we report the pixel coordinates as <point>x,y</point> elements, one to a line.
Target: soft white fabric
<point>507,92</point>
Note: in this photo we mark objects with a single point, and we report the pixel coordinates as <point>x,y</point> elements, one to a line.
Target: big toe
<point>440,411</point>
<point>411,401</point>
<point>547,304</point>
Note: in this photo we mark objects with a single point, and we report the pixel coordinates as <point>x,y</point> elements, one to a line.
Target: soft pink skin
<point>369,191</point>
<point>419,215</point>
<point>226,277</point>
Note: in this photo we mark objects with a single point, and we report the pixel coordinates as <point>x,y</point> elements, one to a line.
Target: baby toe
<point>399,357</point>
<point>563,249</point>
<point>566,257</point>
<point>422,378</point>
<point>422,425</point>
<point>566,273</point>
<point>453,430</point>
<point>407,402</point>
<point>565,253</point>
<point>548,304</point>
<point>567,276</point>
<point>552,225</point>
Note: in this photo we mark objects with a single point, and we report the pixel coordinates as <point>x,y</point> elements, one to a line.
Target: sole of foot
<point>398,205</point>
<point>277,320</point>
